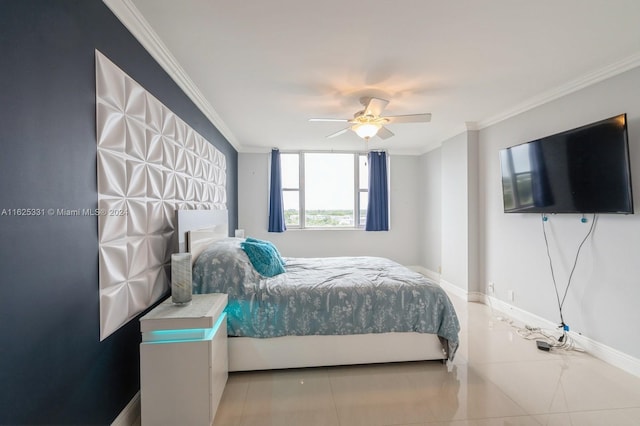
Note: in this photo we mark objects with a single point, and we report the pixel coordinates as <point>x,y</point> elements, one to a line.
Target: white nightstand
<point>183,361</point>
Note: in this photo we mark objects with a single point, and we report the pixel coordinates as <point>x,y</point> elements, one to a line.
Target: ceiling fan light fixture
<point>368,122</point>
<point>367,130</point>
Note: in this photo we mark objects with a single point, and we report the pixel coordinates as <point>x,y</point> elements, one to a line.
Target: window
<point>324,190</point>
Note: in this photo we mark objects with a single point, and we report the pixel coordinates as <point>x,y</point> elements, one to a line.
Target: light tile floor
<point>497,378</point>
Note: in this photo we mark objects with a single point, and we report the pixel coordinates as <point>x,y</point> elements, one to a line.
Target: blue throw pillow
<point>269,243</point>
<point>264,258</point>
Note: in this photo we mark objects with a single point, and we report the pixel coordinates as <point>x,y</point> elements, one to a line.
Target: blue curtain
<point>378,208</point>
<point>276,205</point>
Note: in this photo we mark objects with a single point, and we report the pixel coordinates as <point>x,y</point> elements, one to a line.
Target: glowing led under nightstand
<point>183,335</point>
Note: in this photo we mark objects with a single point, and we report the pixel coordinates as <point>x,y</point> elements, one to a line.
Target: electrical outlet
<point>491,288</point>
<point>511,295</point>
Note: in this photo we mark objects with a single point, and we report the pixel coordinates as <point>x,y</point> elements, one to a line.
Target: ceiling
<point>261,70</point>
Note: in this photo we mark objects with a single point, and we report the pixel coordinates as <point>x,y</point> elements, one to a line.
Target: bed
<point>320,311</point>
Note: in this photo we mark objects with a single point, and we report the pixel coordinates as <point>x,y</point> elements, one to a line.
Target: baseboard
<point>446,285</point>
<point>426,272</point>
<point>131,413</point>
<point>599,350</point>
<point>474,296</point>
<point>454,290</point>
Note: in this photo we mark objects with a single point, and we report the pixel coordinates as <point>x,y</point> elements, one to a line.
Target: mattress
<point>324,296</point>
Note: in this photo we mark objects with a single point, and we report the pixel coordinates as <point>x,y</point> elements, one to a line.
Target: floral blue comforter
<point>321,296</point>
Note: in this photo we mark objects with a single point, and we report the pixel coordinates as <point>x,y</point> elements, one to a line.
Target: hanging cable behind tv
<point>563,339</point>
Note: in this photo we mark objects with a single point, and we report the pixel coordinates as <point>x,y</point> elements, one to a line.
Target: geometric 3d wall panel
<point>150,163</point>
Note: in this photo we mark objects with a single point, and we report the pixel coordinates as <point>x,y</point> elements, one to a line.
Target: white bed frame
<point>246,353</point>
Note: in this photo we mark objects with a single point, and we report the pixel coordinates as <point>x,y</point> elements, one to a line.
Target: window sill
<point>326,229</point>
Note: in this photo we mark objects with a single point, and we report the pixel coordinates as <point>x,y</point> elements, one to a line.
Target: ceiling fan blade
<point>374,106</point>
<point>410,118</point>
<point>384,133</point>
<point>339,132</point>
<point>334,120</point>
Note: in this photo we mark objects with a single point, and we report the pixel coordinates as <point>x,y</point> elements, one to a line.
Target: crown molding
<point>585,80</point>
<point>471,126</point>
<point>133,20</point>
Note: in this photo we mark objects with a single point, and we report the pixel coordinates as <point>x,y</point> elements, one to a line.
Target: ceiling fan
<point>368,122</point>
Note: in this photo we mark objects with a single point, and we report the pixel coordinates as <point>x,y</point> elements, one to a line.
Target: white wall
<point>602,302</point>
<point>459,211</point>
<point>454,211</point>
<point>430,202</point>
<point>473,235</point>
<point>401,243</point>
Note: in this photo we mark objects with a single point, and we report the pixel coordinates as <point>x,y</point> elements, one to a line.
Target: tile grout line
<point>333,399</point>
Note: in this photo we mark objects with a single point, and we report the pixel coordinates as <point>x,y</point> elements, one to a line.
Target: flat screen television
<point>583,170</point>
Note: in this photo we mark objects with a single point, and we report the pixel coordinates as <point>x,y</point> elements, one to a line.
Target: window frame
<point>301,189</point>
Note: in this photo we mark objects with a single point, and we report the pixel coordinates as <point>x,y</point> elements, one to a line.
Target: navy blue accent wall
<point>53,367</point>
